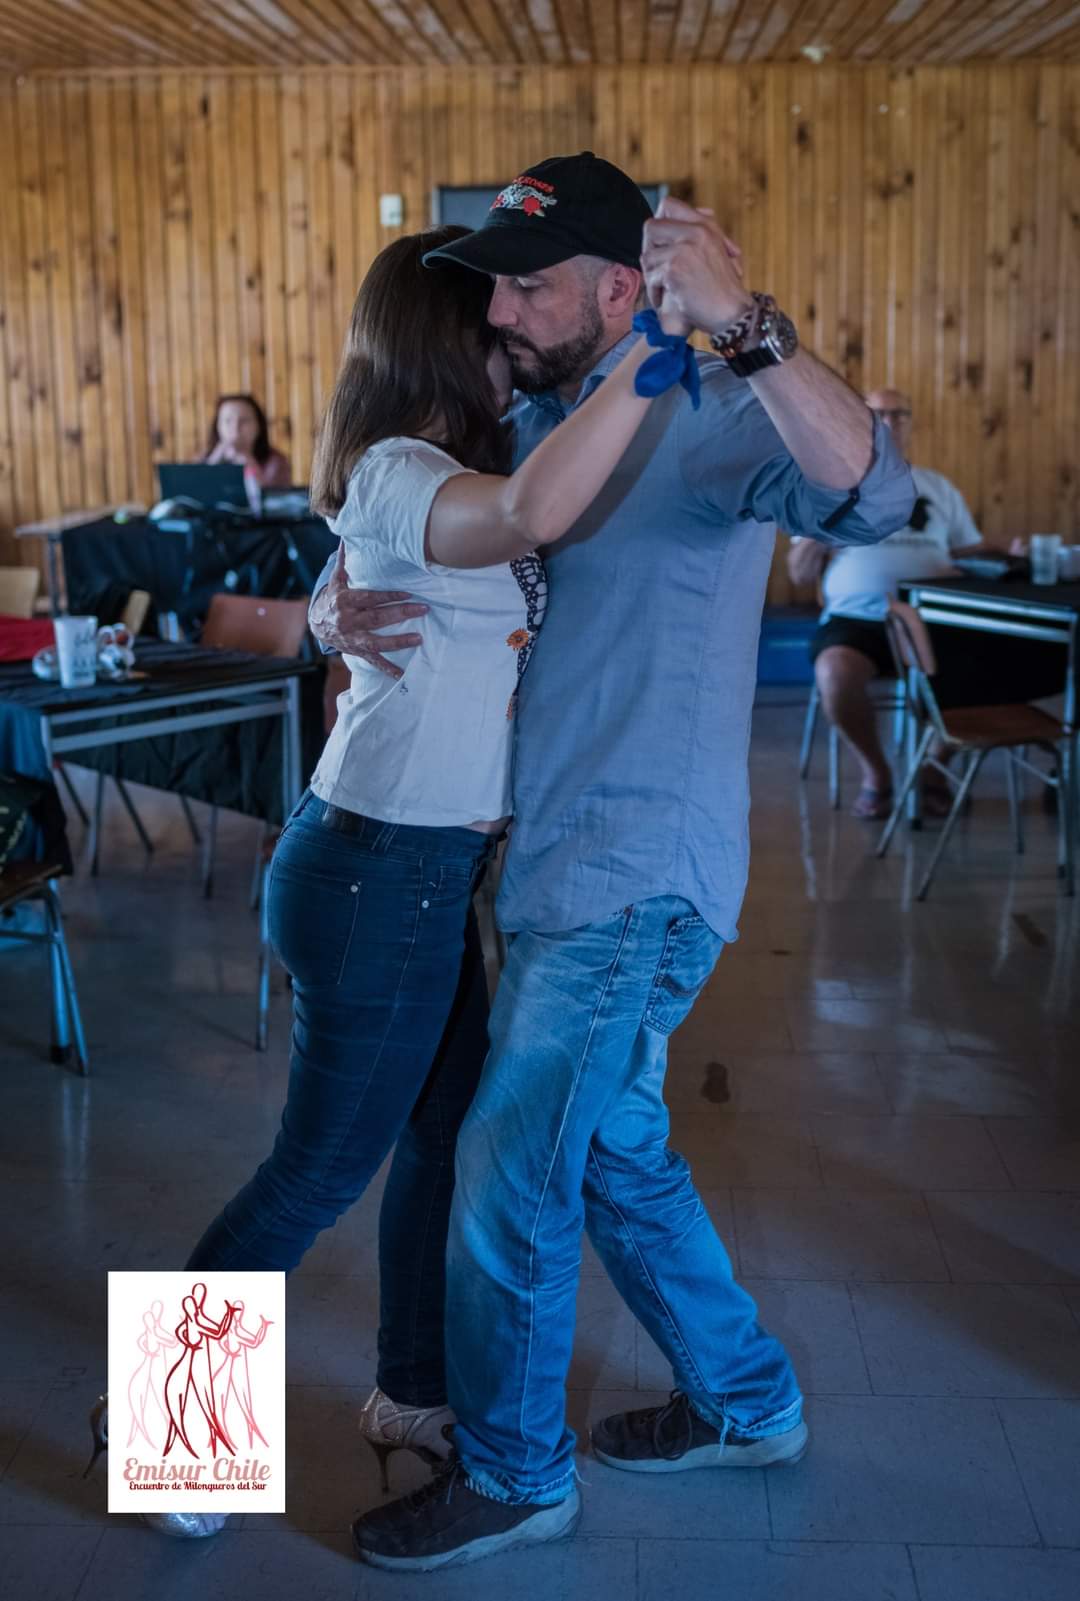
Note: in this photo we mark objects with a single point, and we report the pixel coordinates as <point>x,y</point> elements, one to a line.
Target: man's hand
<point>345,619</point>
<point>691,266</point>
<point>806,560</point>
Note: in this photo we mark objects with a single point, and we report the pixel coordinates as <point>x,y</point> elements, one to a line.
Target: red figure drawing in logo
<point>236,1342</point>
<point>146,1387</point>
<point>526,194</point>
<point>192,1374</point>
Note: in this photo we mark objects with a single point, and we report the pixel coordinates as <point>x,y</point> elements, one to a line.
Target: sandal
<point>873,804</point>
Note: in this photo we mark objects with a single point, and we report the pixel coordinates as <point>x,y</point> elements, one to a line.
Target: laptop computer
<point>219,485</point>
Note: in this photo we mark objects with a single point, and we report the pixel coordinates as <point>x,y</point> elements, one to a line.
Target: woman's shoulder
<point>405,448</point>
<point>389,494</point>
<point>398,468</point>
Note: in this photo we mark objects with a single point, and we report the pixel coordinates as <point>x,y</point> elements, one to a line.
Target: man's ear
<point>620,290</point>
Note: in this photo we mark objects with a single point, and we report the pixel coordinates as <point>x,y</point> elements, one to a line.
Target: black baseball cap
<point>566,206</point>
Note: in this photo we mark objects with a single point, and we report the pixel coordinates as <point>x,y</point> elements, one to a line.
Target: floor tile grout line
<point>1018,1471</point>
<point>924,1197</point>
<point>50,1386</point>
<point>1074,1310</point>
<point>850,1288</point>
<point>999,1152</point>
<point>914,1574</point>
<point>598,1537</point>
<point>91,1559</point>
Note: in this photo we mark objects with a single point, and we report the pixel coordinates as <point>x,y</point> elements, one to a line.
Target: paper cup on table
<point>1044,558</point>
<point>1069,563</point>
<point>76,650</point>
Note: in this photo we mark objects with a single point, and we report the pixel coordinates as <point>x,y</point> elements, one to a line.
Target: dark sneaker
<point>445,1523</point>
<point>674,1438</point>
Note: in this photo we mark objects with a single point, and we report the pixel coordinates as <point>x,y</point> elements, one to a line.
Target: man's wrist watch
<point>776,335</point>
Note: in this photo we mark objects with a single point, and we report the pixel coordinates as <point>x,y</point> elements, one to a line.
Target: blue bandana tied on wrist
<point>674,362</point>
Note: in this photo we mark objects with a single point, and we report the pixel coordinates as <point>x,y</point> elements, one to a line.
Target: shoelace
<point>678,1407</point>
<point>440,1487</point>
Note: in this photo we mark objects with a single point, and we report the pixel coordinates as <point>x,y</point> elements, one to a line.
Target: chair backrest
<point>263,627</point>
<point>18,591</point>
<point>913,652</point>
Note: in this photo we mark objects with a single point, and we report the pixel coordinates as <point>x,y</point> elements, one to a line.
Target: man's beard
<point>556,365</point>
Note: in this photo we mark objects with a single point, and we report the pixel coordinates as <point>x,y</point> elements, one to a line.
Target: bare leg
<point>843,675</point>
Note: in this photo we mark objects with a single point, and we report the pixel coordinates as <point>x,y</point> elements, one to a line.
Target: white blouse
<point>433,748</point>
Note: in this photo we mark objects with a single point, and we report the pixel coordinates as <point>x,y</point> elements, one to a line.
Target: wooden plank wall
<point>164,237</point>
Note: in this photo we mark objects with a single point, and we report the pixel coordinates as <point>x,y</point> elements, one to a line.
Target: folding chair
<point>971,733</point>
<point>887,695</point>
<point>263,628</point>
<point>33,881</point>
<point>18,591</point>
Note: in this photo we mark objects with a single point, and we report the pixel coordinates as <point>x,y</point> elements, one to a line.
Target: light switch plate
<point>391,211</point>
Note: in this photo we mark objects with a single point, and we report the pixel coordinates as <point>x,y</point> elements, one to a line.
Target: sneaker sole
<point>779,1450</point>
<point>554,1523</point>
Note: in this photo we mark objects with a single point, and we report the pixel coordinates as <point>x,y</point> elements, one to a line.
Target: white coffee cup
<point>1044,558</point>
<point>76,650</point>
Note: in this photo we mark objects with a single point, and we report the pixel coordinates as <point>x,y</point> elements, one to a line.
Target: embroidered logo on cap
<point>530,195</point>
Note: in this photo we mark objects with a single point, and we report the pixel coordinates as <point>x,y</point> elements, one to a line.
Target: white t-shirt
<point>859,579</point>
<point>433,748</point>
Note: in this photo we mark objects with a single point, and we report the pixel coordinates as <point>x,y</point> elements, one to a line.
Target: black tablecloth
<point>104,561</point>
<point>1005,589</point>
<point>979,668</point>
<point>237,766</point>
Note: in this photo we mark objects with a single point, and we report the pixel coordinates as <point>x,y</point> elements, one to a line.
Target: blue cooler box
<point>784,649</point>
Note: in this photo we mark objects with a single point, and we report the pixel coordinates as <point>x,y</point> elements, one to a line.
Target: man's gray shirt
<point>630,776</point>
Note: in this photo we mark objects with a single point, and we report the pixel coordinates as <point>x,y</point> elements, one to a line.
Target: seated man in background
<point>850,647</point>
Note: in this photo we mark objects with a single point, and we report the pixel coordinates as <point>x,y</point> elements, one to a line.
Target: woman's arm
<point>480,520</point>
<point>207,1324</point>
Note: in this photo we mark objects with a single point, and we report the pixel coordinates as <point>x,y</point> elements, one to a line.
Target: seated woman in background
<point>239,434</point>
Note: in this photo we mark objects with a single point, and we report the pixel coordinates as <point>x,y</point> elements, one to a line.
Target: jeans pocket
<point>447,884</point>
<point>689,956</point>
<point>312,918</point>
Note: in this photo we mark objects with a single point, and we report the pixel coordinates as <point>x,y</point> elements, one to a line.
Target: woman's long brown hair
<point>414,364</point>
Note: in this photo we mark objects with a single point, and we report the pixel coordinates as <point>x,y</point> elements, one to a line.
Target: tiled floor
<point>882,1105</point>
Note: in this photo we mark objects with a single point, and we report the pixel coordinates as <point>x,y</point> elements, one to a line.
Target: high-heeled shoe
<point>180,1525</point>
<point>388,1427</point>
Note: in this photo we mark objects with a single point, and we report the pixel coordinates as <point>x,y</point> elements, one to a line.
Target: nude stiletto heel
<point>388,1427</point>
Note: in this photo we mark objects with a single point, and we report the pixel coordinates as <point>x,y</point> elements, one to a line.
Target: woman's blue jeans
<point>374,923</point>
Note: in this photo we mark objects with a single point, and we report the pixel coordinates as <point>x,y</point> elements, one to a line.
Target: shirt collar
<point>552,403</point>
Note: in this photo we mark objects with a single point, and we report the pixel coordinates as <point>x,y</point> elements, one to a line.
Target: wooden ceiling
<point>61,35</point>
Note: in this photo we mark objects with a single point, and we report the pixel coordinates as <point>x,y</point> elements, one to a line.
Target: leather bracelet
<point>730,340</point>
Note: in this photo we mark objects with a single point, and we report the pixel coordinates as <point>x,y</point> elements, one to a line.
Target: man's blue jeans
<point>374,923</point>
<point>569,1128</point>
